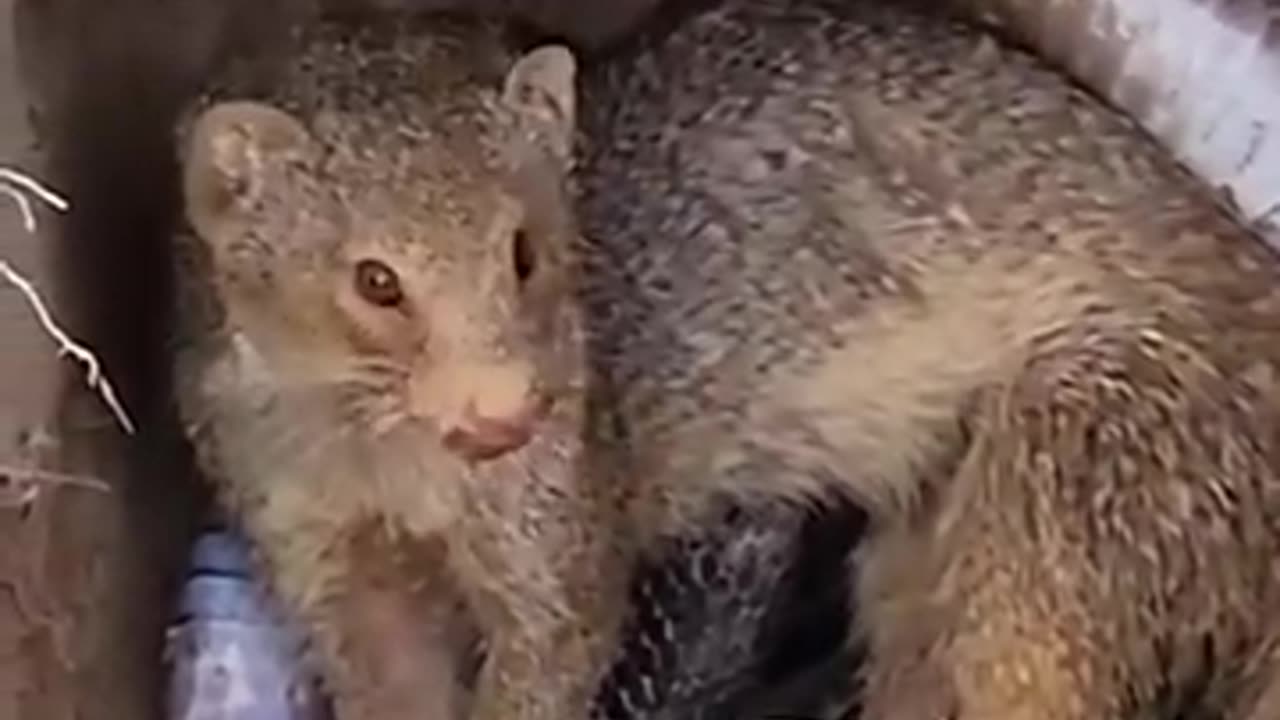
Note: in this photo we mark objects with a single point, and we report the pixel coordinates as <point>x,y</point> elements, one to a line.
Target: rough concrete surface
<point>27,368</point>
<point>84,575</point>
<point>30,622</point>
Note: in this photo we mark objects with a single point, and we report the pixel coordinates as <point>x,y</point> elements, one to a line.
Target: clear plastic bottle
<point>232,653</point>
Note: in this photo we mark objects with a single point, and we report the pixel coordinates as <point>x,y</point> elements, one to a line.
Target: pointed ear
<point>230,150</point>
<point>540,87</point>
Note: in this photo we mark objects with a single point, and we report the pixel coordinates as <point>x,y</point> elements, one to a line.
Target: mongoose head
<point>420,270</point>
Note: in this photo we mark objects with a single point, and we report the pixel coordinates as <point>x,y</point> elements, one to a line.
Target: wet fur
<point>901,264</point>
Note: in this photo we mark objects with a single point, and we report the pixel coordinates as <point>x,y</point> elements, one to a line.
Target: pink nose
<point>480,437</point>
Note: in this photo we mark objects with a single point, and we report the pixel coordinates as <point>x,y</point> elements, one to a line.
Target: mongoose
<point>377,368</point>
<point>861,242</point>
<point>307,388</point>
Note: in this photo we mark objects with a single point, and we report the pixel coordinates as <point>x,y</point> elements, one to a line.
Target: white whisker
<point>387,422</point>
<point>311,448</point>
<point>380,367</point>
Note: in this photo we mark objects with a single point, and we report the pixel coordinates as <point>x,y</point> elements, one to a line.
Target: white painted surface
<point>1217,94</point>
<point>1202,76</point>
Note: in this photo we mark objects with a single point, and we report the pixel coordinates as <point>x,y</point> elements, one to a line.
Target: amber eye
<point>378,284</point>
<point>523,256</point>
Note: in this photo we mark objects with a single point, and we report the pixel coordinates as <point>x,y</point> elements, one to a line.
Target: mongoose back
<point>868,245</point>
<point>378,366</point>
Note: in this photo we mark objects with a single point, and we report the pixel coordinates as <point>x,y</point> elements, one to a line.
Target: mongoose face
<point>419,271</point>
<point>379,357</point>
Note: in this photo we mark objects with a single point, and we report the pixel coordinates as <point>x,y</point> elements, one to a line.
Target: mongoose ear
<point>540,86</point>
<point>230,149</point>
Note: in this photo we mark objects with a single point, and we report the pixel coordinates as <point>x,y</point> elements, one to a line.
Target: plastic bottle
<point>232,653</point>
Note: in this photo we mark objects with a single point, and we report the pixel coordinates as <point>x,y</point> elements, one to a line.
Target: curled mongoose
<point>871,247</point>
<point>378,368</point>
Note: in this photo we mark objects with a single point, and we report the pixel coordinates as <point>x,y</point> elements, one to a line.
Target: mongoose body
<point>869,247</point>
<point>379,371</point>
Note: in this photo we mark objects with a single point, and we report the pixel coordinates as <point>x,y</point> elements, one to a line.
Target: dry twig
<point>21,188</point>
<point>19,486</point>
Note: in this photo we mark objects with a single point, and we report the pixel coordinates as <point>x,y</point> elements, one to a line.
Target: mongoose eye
<point>523,256</point>
<point>378,284</point>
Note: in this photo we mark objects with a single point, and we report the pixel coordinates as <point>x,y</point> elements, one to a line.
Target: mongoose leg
<point>509,687</point>
<point>535,671</point>
<point>389,629</point>
<point>545,582</point>
<point>1058,560</point>
<point>403,634</point>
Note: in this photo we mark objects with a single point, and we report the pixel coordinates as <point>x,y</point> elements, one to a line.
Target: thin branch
<point>21,483</point>
<point>51,477</point>
<point>20,188</point>
<point>17,186</point>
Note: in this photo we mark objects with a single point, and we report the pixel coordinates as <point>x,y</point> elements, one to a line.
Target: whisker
<point>380,366</point>
<point>305,443</point>
<point>310,425</point>
<point>387,422</point>
<point>366,401</point>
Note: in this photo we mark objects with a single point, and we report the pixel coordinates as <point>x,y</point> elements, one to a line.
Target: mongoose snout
<point>480,408</point>
<point>484,434</point>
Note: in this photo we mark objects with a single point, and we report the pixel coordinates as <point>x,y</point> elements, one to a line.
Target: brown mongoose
<point>862,242</point>
<point>377,367</point>
<point>812,465</point>
<point>394,146</point>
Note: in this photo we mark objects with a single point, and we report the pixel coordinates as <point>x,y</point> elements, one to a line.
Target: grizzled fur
<point>871,249</point>
<point>742,613</point>
<point>393,552</point>
<point>847,249</point>
<point>430,148</point>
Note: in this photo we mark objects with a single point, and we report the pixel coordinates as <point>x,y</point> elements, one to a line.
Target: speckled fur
<point>902,264</point>
<point>299,398</point>
<point>731,615</point>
